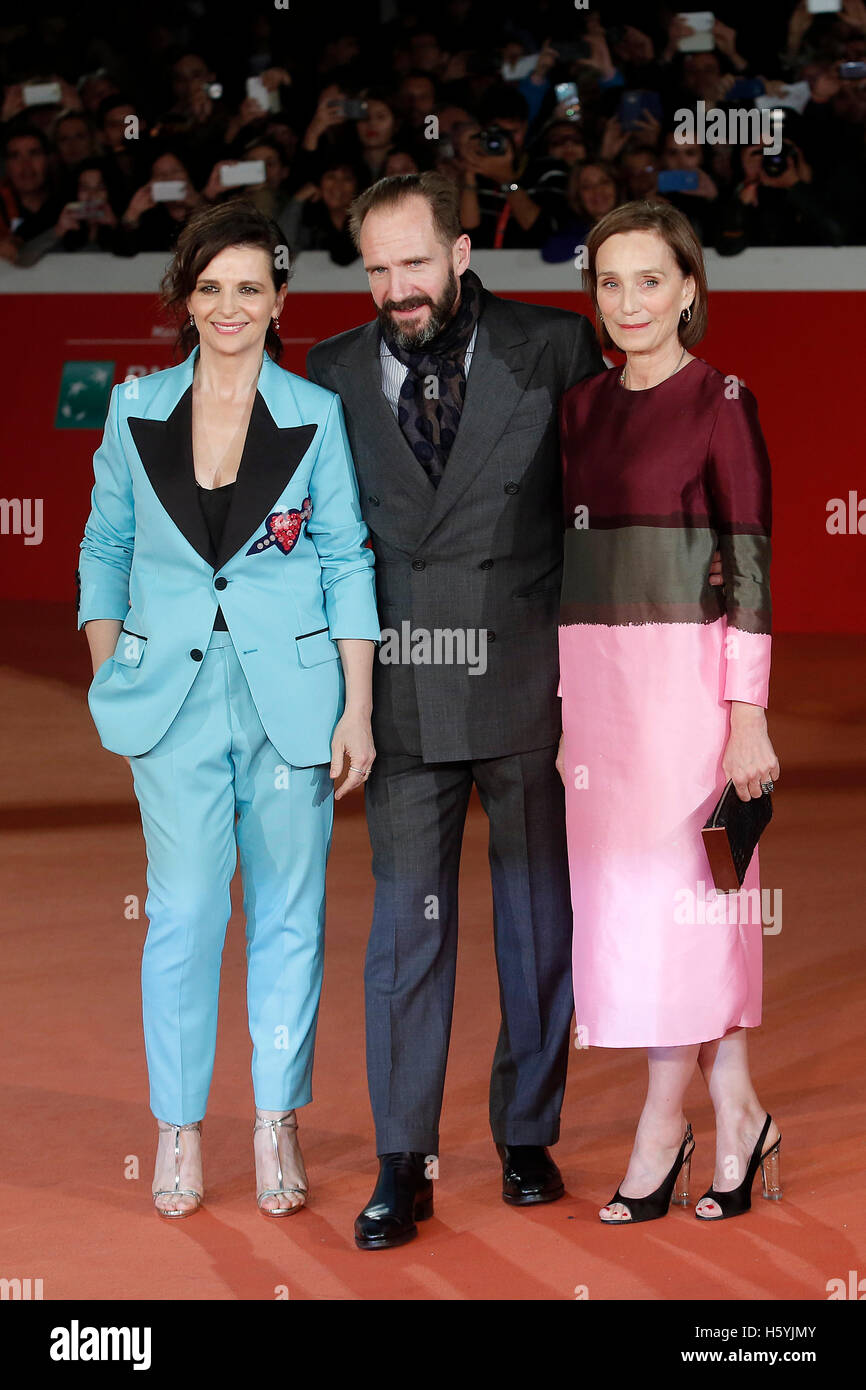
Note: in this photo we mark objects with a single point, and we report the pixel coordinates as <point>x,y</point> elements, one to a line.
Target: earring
<point>276,324</point>
<point>686,315</point>
<point>191,321</point>
<point>601,317</point>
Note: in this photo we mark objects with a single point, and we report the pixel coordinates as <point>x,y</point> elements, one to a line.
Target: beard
<point>441,310</point>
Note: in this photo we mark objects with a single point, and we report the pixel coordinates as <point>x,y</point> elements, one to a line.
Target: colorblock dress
<point>650,655</point>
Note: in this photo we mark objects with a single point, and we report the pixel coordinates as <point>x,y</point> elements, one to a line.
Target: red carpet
<point>78,1137</point>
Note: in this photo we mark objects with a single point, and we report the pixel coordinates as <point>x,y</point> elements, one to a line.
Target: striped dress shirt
<point>394,372</point>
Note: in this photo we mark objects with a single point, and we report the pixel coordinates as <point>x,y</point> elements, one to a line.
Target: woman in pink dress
<point>664,687</point>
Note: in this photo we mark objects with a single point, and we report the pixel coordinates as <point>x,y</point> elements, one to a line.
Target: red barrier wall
<point>789,348</point>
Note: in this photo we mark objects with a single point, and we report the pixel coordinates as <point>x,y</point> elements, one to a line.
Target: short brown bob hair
<point>674,229</point>
<point>441,193</point>
<point>211,229</point>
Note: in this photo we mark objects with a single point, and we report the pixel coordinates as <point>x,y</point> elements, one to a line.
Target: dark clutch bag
<point>730,836</point>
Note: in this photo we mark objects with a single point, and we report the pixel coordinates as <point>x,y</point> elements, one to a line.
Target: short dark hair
<point>29,132</point>
<point>181,51</point>
<point>71,113</point>
<point>418,72</point>
<point>258,140</point>
<point>165,144</point>
<point>572,186</point>
<point>441,194</point>
<point>91,162</point>
<point>109,103</point>
<point>210,230</point>
<point>503,100</point>
<point>338,159</point>
<point>676,230</point>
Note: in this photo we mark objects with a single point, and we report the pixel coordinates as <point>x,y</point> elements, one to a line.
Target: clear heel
<point>771,1174</point>
<point>681,1186</point>
<point>674,1189</point>
<point>739,1199</point>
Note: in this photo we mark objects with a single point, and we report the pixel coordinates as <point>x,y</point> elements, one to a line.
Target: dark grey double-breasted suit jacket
<point>483,551</point>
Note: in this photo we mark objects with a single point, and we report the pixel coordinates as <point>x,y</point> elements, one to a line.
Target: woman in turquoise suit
<point>228,599</point>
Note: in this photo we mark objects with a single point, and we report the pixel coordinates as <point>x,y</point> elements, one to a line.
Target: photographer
<point>377,129</point>
<point>835,120</point>
<point>501,203</point>
<point>563,142</point>
<point>328,136</point>
<point>535,86</point>
<point>317,217</point>
<point>417,96</point>
<point>74,139</point>
<point>835,115</point>
<point>638,167</point>
<point>699,204</point>
<point>198,120</point>
<point>269,195</point>
<point>122,135</point>
<point>88,223</point>
<point>244,123</point>
<point>152,221</point>
<point>773,203</point>
<point>594,190</point>
<point>29,201</point>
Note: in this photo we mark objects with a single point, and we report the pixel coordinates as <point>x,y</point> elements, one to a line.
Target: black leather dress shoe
<point>529,1175</point>
<point>403,1195</point>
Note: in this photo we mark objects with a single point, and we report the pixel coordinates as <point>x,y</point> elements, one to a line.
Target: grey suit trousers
<point>416,813</point>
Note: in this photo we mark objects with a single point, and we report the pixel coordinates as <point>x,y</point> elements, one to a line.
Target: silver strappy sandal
<point>287,1121</point>
<point>177,1190</point>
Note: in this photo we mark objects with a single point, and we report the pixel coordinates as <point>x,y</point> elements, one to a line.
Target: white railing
<point>756,268</point>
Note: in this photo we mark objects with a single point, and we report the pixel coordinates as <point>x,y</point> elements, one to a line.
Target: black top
<point>215,502</point>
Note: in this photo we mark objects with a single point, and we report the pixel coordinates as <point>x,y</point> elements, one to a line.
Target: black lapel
<point>270,457</point>
<point>165,450</point>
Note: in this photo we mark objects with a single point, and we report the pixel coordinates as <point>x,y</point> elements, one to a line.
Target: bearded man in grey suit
<point>451,402</point>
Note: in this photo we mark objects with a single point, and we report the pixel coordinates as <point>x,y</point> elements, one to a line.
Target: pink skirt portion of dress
<point>660,959</point>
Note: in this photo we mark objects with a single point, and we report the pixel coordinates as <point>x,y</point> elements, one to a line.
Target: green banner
<point>85,388</point>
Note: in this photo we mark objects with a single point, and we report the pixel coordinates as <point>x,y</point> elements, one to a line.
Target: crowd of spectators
<point>116,124</point>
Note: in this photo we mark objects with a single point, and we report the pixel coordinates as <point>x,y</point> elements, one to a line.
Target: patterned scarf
<point>431,397</point>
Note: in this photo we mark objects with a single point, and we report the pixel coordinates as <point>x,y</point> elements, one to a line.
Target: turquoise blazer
<point>292,573</point>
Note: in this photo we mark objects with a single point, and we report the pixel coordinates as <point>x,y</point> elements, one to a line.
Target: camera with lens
<point>775,165</point>
<point>494,140</point>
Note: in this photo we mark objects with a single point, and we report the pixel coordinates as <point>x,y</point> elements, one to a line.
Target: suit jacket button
<point>196,654</point>
<point>374,500</point>
<point>486,565</point>
<point>419,564</point>
<point>220,583</point>
<point>491,636</point>
<point>511,488</point>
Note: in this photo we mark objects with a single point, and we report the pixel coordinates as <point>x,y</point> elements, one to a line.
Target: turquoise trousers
<point>213,786</point>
